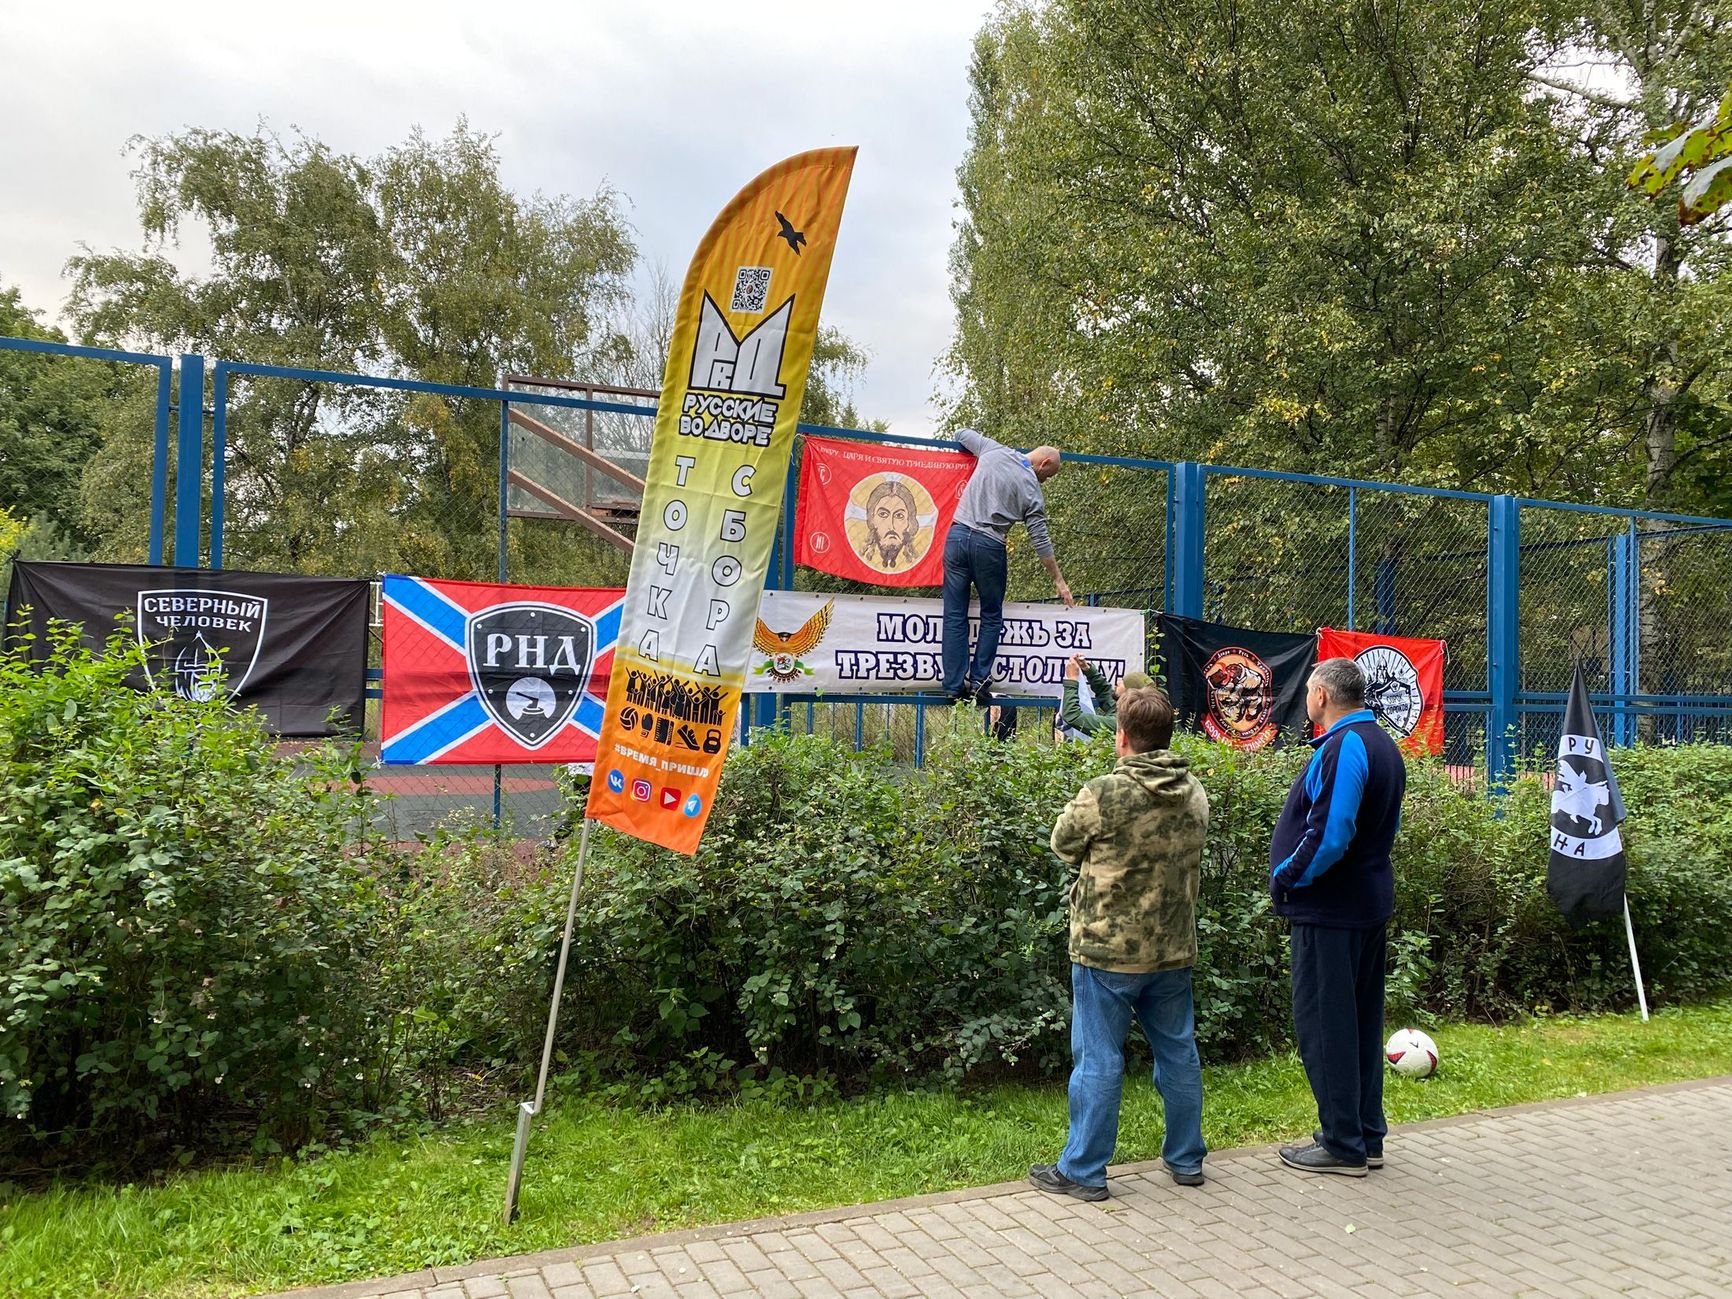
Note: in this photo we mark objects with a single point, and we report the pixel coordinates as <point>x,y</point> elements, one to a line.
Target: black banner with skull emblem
<point>1245,688</point>
<point>293,647</point>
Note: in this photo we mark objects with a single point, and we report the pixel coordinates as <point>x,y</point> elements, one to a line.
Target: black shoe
<point>1315,1159</point>
<point>1048,1178</point>
<point>1185,1179</point>
<point>979,691</point>
<point>1373,1158</point>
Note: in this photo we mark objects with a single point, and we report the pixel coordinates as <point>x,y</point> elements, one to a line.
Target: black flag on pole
<point>1586,874</point>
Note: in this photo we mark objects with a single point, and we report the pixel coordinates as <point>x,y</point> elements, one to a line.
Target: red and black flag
<point>1245,688</point>
<point>1403,682</point>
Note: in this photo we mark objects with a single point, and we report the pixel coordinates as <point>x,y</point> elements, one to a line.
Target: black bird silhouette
<point>794,237</point>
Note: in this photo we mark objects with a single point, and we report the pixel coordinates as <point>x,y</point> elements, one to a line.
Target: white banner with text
<point>886,644</point>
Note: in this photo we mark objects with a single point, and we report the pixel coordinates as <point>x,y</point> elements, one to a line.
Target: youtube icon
<point>671,797</point>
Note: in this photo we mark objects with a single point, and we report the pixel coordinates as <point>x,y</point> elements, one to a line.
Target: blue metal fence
<point>1522,589</point>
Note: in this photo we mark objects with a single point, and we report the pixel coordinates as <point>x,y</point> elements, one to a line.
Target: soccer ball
<point>1412,1053</point>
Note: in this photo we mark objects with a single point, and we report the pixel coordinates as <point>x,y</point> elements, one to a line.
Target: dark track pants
<point>1338,1020</point>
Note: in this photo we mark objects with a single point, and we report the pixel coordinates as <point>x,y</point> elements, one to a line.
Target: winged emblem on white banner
<point>784,648</point>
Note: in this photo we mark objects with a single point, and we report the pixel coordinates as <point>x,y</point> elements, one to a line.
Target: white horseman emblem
<point>784,648</point>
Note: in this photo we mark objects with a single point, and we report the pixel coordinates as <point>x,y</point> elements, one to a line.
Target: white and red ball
<point>1412,1053</point>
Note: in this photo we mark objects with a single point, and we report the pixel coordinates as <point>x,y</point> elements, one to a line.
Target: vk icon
<point>693,806</point>
<point>616,781</point>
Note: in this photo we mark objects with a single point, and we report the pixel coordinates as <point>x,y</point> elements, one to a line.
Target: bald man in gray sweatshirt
<point>1004,490</point>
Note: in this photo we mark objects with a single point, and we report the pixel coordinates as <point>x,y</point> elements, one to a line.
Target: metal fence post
<point>503,569</point>
<point>1352,554</point>
<point>1387,621</point>
<point>1623,632</point>
<point>189,462</point>
<point>1185,500</point>
<point>219,451</point>
<point>1503,641</point>
<point>766,706</point>
<point>159,459</point>
<point>504,484</point>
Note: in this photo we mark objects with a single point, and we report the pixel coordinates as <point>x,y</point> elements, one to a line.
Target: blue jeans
<point>1103,1004</point>
<point>977,560</point>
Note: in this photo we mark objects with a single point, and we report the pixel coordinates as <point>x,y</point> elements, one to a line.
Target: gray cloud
<point>675,104</point>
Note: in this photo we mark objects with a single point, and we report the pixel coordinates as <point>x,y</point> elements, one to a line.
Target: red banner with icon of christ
<point>877,513</point>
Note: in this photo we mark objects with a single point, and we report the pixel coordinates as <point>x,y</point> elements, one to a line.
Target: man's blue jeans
<point>1103,1004</point>
<point>977,560</point>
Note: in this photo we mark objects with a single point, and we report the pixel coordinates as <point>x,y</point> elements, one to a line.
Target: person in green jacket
<point>1106,697</point>
<point>1135,837</point>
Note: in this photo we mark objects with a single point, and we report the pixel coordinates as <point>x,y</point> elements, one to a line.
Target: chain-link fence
<point>1297,554</point>
<point>1683,621</point>
<point>539,482</point>
<point>1569,599</point>
<point>87,456</point>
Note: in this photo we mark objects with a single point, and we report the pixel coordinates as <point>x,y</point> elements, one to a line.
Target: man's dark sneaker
<point>1315,1159</point>
<point>1048,1178</point>
<point>1185,1179</point>
<point>1373,1158</point>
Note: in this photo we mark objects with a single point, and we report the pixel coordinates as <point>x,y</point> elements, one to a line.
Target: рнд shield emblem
<point>200,643</point>
<point>529,663</point>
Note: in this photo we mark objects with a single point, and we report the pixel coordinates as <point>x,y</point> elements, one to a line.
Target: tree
<point>418,263</point>
<point>50,413</point>
<point>1649,340</point>
<point>1699,151</point>
<point>11,532</point>
<point>1321,236</point>
<point>1330,237</point>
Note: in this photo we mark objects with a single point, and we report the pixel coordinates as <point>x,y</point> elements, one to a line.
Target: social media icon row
<point>643,792</point>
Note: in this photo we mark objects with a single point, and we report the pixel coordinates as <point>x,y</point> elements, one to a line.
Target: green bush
<point>848,917</point>
<point>200,936</point>
<point>182,917</point>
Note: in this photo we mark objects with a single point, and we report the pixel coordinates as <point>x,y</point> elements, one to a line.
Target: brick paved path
<point>1627,1194</point>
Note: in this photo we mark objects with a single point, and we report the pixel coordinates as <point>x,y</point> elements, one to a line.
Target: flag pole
<point>527,1110</point>
<point>1636,965</point>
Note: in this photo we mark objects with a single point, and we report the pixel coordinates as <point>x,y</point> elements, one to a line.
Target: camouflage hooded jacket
<point>1136,837</point>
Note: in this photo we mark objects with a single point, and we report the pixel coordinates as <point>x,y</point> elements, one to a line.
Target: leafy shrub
<point>198,930</point>
<point>180,917</point>
<point>847,916</point>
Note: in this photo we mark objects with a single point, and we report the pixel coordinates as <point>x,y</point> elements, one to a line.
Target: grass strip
<point>599,1171</point>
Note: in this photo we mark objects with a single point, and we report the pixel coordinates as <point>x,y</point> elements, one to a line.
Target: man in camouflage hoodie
<point>1136,837</point>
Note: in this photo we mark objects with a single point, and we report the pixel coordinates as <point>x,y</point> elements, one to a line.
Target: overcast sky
<point>674,103</point>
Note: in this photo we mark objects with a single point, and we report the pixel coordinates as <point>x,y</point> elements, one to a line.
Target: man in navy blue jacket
<point>1330,875</point>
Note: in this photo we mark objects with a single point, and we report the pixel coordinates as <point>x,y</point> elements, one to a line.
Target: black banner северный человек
<point>293,647</point>
<point>1246,688</point>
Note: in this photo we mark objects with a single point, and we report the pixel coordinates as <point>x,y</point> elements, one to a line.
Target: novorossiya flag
<point>1403,682</point>
<point>480,672</point>
<point>736,374</point>
<point>877,513</point>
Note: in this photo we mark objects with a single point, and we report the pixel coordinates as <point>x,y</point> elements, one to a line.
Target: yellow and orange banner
<point>724,431</point>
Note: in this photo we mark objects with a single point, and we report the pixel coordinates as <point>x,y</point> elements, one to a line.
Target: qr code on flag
<point>751,288</point>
